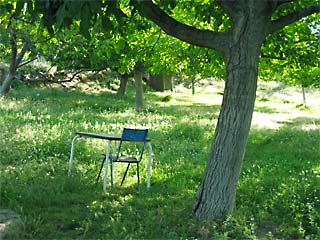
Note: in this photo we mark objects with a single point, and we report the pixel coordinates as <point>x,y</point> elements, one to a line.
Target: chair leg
<point>104,158</point>
<point>111,172</point>
<point>138,174</point>
<point>125,174</point>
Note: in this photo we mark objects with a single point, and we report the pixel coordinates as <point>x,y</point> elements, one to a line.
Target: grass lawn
<point>278,195</point>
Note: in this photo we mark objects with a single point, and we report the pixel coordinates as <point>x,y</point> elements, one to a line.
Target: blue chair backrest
<point>138,135</point>
<point>134,135</point>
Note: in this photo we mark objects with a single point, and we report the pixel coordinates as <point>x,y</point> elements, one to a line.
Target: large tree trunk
<point>217,192</point>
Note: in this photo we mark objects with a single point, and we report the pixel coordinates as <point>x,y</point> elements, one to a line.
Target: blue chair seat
<point>126,159</point>
<point>136,136</point>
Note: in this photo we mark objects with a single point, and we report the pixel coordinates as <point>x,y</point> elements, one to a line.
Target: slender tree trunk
<point>123,84</point>
<point>304,95</point>
<point>138,73</point>
<point>14,63</point>
<point>6,84</point>
<point>8,77</point>
<point>217,192</point>
<point>193,86</point>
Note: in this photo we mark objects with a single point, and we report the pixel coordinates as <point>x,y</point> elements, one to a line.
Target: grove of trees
<point>131,38</point>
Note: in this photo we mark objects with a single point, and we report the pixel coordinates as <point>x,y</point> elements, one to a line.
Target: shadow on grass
<point>200,110</point>
<point>269,92</point>
<point>55,206</point>
<point>278,189</point>
<point>265,109</point>
<point>279,180</point>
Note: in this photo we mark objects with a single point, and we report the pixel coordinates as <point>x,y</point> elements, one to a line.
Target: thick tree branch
<point>272,57</point>
<point>186,33</point>
<point>47,78</point>
<point>292,17</point>
<point>26,62</point>
<point>228,6</point>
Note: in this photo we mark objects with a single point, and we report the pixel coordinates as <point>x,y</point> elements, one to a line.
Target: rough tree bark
<point>216,195</point>
<point>240,47</point>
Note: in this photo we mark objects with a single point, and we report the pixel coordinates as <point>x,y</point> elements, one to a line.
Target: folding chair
<point>136,137</point>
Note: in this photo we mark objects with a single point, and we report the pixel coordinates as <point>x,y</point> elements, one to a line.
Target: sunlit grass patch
<point>278,192</point>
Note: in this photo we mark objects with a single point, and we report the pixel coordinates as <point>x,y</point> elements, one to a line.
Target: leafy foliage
<point>115,36</point>
<point>293,54</point>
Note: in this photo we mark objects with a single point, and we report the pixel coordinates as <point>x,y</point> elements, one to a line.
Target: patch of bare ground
<point>9,221</point>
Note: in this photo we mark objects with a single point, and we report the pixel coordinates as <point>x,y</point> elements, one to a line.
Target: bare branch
<point>43,80</point>
<point>280,2</point>
<point>75,74</point>
<point>26,62</point>
<point>189,34</point>
<point>272,57</point>
<point>292,17</point>
<point>46,79</point>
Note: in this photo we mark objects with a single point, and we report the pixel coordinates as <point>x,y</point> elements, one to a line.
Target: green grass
<point>278,194</point>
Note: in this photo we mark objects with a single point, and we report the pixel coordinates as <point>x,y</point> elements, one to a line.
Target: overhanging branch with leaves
<point>292,17</point>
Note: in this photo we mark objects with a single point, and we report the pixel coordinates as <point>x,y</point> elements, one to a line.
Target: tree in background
<point>15,32</point>
<point>117,40</point>
<point>22,39</point>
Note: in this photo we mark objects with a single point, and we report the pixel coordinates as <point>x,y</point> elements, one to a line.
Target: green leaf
<point>19,7</point>
<point>60,15</point>
<point>106,23</point>
<point>6,8</point>
<point>121,43</point>
<point>95,6</point>
<point>67,21</point>
<point>73,8</point>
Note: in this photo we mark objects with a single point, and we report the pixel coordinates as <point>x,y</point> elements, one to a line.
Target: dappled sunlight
<point>9,104</point>
<point>297,119</point>
<point>278,105</point>
<point>307,123</point>
<point>317,170</point>
<point>27,132</point>
<point>121,199</point>
<point>183,97</point>
<point>280,164</point>
<point>264,120</point>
